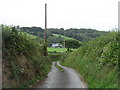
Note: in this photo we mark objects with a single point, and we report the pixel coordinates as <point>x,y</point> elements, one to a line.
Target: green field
<point>51,49</point>
<point>32,36</point>
<point>66,38</point>
<point>29,35</point>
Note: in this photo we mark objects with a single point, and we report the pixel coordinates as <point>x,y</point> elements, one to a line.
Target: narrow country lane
<point>67,78</point>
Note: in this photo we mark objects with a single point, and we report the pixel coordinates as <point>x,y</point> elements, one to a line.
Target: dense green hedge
<point>23,60</point>
<point>97,61</point>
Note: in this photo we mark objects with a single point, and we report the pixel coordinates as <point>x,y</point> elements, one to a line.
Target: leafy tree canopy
<point>72,44</point>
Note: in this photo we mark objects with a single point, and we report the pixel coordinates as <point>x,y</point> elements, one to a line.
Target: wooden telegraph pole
<point>45,32</point>
<point>64,39</point>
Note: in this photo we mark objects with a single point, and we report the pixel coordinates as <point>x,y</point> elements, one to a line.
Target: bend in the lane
<point>67,79</point>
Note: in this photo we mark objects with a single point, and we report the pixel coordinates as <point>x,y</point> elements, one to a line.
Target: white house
<point>57,45</point>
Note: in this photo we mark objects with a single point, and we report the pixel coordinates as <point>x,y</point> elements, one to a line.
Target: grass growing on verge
<point>61,69</point>
<point>97,61</point>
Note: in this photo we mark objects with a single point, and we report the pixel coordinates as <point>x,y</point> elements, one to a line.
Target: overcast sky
<point>95,14</point>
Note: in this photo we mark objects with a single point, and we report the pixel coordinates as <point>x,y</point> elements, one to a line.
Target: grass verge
<point>61,69</point>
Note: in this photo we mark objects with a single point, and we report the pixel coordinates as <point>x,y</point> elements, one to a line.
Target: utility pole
<point>119,17</point>
<point>64,39</point>
<point>45,32</point>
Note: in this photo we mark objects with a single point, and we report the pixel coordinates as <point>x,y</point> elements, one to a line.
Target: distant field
<point>66,38</point>
<point>32,36</point>
<point>50,49</point>
<point>29,35</point>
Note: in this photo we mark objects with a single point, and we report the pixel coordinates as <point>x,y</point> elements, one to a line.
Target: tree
<point>72,44</point>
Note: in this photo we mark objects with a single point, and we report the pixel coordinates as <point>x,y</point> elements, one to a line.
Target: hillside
<point>83,35</point>
<point>37,31</point>
<point>97,61</point>
<point>66,38</point>
<point>23,63</point>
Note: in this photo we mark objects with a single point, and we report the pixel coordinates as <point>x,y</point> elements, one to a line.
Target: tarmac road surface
<point>68,78</point>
